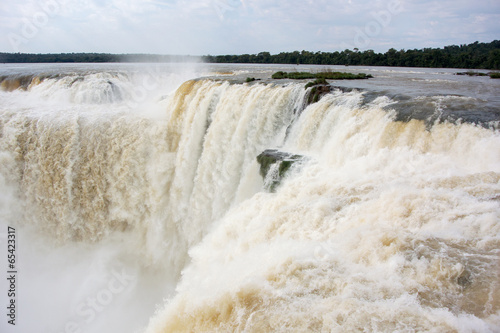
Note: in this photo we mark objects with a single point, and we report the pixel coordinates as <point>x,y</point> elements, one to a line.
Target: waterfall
<point>86,174</point>
<point>386,225</point>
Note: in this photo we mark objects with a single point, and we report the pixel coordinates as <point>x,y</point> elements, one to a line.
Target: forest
<point>474,56</point>
<point>92,57</point>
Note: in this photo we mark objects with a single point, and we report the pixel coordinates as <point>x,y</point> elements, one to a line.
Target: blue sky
<point>200,27</point>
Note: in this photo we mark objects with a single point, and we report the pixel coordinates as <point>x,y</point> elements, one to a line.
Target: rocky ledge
<point>274,165</point>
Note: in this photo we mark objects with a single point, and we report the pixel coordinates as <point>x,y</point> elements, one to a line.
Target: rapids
<point>150,182</point>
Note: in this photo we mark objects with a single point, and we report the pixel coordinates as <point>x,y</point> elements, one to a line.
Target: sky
<point>202,27</point>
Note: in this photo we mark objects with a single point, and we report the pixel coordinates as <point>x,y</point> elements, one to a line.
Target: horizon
<point>208,55</point>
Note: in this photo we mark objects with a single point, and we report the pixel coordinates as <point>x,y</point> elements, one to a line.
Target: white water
<point>386,227</point>
<point>390,228</point>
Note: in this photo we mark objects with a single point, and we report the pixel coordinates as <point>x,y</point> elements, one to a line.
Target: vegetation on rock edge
<point>322,75</point>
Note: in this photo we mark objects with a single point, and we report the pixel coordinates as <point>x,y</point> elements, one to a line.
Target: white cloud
<point>246,26</point>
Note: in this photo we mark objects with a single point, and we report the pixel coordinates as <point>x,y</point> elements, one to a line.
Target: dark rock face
<point>317,92</point>
<point>274,164</point>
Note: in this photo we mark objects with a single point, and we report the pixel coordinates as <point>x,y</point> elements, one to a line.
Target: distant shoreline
<point>472,56</point>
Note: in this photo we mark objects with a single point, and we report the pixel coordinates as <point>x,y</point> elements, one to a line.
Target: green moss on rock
<point>284,161</point>
<point>329,75</point>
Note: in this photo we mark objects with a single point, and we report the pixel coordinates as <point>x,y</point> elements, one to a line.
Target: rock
<point>274,164</point>
<point>316,92</point>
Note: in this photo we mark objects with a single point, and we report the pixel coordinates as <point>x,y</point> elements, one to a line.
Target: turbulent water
<point>138,204</point>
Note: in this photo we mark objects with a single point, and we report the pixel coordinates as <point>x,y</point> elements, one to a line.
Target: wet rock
<point>274,164</point>
<point>317,92</point>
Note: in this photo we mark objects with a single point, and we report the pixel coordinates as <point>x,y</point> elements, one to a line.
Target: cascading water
<point>389,227</point>
<point>384,226</point>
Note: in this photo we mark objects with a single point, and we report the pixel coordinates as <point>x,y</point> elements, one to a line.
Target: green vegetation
<point>293,75</point>
<point>316,82</point>
<point>472,73</point>
<point>321,75</point>
<point>319,88</point>
<point>313,96</point>
<point>269,157</point>
<point>343,76</point>
<point>475,55</point>
<point>250,79</point>
<point>91,57</point>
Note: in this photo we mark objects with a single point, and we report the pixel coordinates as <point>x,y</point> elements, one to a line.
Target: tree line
<point>475,55</point>
<point>92,57</point>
